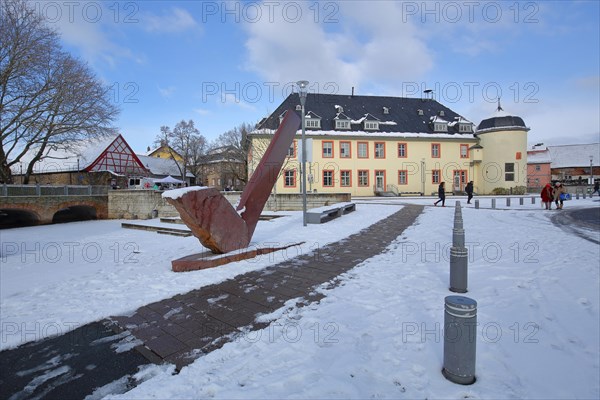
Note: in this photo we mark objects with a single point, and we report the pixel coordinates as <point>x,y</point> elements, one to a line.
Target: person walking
<point>441,195</point>
<point>596,189</point>
<point>547,196</point>
<point>557,193</point>
<point>469,190</point>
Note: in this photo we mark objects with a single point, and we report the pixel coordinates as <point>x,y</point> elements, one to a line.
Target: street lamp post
<point>303,89</point>
<point>592,170</point>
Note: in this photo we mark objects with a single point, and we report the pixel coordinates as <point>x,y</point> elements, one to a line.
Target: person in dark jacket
<point>596,189</point>
<point>469,190</point>
<point>441,195</point>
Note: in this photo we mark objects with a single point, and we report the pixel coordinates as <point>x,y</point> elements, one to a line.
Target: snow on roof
<point>574,155</point>
<point>538,157</point>
<point>457,136</point>
<point>78,156</point>
<point>162,166</point>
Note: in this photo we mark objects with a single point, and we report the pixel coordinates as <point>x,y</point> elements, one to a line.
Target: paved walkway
<point>180,329</point>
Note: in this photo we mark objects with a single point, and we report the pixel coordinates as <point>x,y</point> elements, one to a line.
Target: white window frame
<point>313,123</point>
<point>342,124</point>
<point>371,125</point>
<point>365,146</point>
<point>440,127</point>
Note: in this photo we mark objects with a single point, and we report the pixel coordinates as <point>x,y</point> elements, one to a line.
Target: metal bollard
<point>508,202</point>
<point>477,204</point>
<point>458,222</point>
<point>458,237</point>
<point>521,201</point>
<point>577,196</point>
<point>458,269</point>
<point>493,203</point>
<point>584,195</point>
<point>460,339</point>
<point>533,200</point>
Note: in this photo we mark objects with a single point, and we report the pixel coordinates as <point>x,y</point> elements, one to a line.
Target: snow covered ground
<point>378,334</point>
<point>55,278</point>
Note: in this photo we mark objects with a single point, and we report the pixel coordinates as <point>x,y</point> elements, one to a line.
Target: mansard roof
<point>395,114</point>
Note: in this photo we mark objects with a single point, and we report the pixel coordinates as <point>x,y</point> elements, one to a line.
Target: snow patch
<point>177,193</point>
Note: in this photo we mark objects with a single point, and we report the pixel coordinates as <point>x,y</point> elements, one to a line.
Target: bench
<point>409,193</point>
<point>327,213</point>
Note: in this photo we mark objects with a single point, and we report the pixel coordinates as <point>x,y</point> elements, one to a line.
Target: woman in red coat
<point>547,196</point>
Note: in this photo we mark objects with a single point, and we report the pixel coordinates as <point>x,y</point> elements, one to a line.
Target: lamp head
<point>302,88</point>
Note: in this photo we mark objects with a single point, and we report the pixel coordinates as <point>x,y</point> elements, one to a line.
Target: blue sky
<point>222,63</point>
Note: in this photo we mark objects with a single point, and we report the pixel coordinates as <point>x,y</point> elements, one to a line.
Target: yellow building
<point>164,151</point>
<point>372,145</point>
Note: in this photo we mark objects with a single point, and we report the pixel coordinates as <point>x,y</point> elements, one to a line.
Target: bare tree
<point>234,145</point>
<point>184,140</point>
<point>47,97</point>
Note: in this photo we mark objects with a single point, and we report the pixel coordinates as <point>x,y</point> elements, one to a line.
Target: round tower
<point>503,145</point>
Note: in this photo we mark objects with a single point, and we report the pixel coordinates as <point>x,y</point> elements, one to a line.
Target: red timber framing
<point>119,158</point>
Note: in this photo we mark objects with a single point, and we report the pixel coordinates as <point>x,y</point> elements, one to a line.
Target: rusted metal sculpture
<point>214,221</point>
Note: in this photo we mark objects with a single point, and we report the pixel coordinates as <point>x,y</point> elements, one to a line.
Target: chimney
<point>352,90</point>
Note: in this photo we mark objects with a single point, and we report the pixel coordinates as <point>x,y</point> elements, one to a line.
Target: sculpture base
<point>206,259</point>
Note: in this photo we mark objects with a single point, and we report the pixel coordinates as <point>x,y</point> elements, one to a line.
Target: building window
<point>312,123</point>
<point>327,149</point>
<point>464,128</point>
<point>464,151</point>
<point>363,150</point>
<point>292,150</point>
<point>537,182</point>
<point>379,150</point>
<point>345,150</point>
<point>363,177</point>
<point>538,168</point>
<point>518,155</point>
<point>436,150</point>
<point>403,177</point>
<point>346,178</point>
<point>402,150</point>
<point>289,178</point>
<point>371,125</point>
<point>435,176</point>
<point>328,178</point>
<point>439,127</point>
<point>380,180</point>
<point>509,172</point>
<point>342,124</point>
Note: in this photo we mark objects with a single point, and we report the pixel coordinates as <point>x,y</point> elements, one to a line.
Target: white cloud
<point>88,33</point>
<point>371,46</point>
<point>177,20</point>
<point>202,111</point>
<point>229,99</point>
<point>166,92</point>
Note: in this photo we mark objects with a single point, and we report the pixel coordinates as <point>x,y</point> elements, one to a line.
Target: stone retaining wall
<point>139,204</point>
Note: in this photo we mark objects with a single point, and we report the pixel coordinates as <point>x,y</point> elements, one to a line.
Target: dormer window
<point>313,123</point>
<point>371,125</point>
<point>386,110</point>
<point>465,128</point>
<point>312,120</point>
<point>442,113</point>
<point>298,107</point>
<point>419,112</point>
<point>439,127</point>
<point>339,109</point>
<point>342,124</point>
